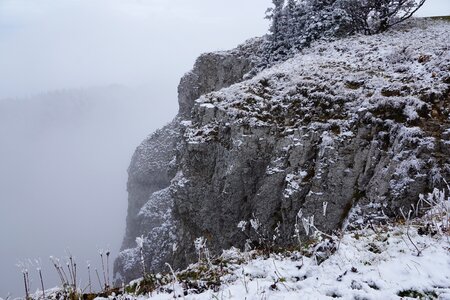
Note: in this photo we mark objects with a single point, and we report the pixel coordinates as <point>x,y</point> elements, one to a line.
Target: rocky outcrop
<point>360,124</point>
<point>216,70</point>
<point>154,165</point>
<point>149,207</point>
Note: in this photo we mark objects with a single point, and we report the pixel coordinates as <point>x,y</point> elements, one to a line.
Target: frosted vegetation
<point>405,258</point>
<point>297,23</point>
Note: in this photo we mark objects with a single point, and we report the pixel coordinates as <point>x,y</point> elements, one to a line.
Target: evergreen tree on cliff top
<point>296,23</point>
<point>376,16</point>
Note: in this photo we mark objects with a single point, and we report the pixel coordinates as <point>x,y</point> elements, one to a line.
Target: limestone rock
<point>359,124</point>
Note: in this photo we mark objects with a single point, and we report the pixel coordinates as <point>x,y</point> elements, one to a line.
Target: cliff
<point>361,124</point>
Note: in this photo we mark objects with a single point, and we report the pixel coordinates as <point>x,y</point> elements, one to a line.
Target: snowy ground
<point>396,261</point>
<point>399,260</point>
<point>355,271</point>
<point>356,74</point>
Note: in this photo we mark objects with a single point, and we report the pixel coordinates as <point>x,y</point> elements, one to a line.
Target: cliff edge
<point>358,125</point>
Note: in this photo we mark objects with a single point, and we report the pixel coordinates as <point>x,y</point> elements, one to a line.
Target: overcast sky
<point>51,44</point>
<point>435,8</point>
<point>63,166</point>
<point>48,45</point>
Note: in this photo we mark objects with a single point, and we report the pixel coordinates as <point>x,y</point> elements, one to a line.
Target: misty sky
<point>64,154</point>
<point>63,166</point>
<point>50,44</point>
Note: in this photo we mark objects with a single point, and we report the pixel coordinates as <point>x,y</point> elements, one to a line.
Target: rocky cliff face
<point>360,124</point>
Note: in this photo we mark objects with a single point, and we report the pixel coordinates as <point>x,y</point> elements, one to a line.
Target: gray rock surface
<point>150,205</point>
<point>216,70</point>
<point>361,123</point>
<point>154,164</point>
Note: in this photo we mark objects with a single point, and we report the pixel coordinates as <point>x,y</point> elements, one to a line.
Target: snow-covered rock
<point>360,121</point>
<point>391,261</point>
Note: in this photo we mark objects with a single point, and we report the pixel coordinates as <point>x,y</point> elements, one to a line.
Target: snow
<point>179,179</point>
<point>140,241</point>
<point>327,143</point>
<point>374,263</point>
<point>186,123</point>
<point>207,105</point>
<point>343,79</point>
<point>293,182</point>
<point>393,260</point>
<point>271,171</point>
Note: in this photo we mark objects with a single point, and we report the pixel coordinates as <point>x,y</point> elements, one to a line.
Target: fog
<point>82,82</point>
<point>85,81</point>
<point>77,43</point>
<point>63,159</point>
